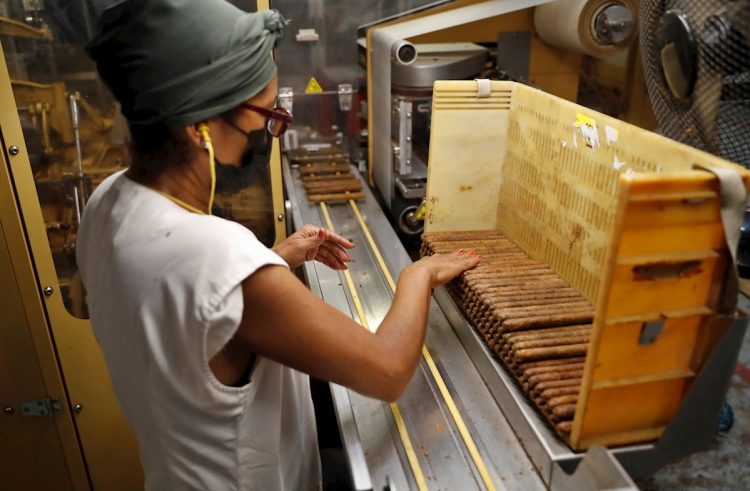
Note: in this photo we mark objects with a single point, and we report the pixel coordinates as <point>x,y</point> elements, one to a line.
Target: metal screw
<point>280,217</point>
<point>14,150</point>
<point>8,410</point>
<point>78,408</point>
<point>48,290</point>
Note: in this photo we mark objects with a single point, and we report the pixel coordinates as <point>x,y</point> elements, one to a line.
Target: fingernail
<point>460,251</point>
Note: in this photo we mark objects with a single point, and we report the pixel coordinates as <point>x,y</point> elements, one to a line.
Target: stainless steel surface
<point>449,61</point>
<point>77,408</point>
<point>598,470</point>
<point>359,472</point>
<point>13,150</point>
<point>402,157</point>
<point>48,290</point>
<point>9,410</point>
<point>411,188</point>
<point>439,447</point>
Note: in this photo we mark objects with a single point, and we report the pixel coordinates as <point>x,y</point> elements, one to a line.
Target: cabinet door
<point>33,455</point>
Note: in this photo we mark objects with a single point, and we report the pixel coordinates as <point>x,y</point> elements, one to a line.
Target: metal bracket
<point>403,162</point>
<point>286,98</point>
<point>345,92</point>
<point>651,331</point>
<point>41,407</point>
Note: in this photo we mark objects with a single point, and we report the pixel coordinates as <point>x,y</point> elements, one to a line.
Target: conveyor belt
<point>448,430</point>
<point>459,437</point>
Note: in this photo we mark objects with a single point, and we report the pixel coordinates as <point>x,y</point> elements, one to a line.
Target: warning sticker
<point>313,87</point>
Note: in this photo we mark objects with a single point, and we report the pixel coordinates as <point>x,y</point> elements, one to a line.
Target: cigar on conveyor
<point>549,332</point>
<point>550,363</point>
<point>338,176</point>
<point>525,374</point>
<point>317,198</point>
<point>352,183</point>
<point>325,165</point>
<point>560,391</point>
<point>556,384</point>
<point>537,311</point>
<point>550,376</point>
<point>565,351</point>
<point>523,300</point>
<point>562,400</point>
<point>464,235</point>
<point>344,188</point>
<point>564,411</point>
<point>549,320</point>
<point>565,427</point>
<point>542,343</point>
<point>322,170</point>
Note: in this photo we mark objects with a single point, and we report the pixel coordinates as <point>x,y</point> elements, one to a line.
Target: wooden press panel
<point>616,211</point>
<point>631,390</point>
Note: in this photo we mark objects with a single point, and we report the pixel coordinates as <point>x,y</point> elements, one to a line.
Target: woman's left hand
<point>315,243</point>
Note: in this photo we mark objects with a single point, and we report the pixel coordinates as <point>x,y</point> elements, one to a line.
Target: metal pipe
<point>76,120</point>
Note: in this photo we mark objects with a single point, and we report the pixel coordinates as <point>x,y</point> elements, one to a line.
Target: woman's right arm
<point>285,322</point>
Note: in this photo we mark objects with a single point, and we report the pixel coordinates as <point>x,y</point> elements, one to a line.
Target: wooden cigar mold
<point>534,321</point>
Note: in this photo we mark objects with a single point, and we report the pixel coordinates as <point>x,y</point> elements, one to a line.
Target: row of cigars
<point>533,321</point>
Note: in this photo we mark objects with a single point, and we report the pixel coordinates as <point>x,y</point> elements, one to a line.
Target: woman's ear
<point>193,134</point>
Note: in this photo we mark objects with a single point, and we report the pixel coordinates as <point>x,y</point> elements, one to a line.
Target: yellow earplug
<point>208,144</point>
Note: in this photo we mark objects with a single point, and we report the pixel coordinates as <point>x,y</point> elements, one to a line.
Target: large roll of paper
<point>572,24</point>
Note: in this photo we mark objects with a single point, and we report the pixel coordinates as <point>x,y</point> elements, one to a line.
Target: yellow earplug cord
<point>203,129</point>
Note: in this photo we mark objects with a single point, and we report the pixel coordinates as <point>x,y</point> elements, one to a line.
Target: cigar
<point>556,384</point>
<point>551,320</point>
<point>564,411</point>
<point>464,235</point>
<point>343,188</point>
<point>526,300</point>
<point>561,400</point>
<point>542,343</point>
<point>351,183</point>
<point>324,166</point>
<point>528,372</point>
<point>565,427</point>
<point>562,391</point>
<point>540,310</point>
<point>549,332</point>
<point>317,198</point>
<point>548,377</point>
<point>338,176</point>
<point>566,351</point>
<point>550,363</point>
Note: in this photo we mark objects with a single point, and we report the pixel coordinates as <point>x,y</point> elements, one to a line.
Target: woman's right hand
<point>442,268</point>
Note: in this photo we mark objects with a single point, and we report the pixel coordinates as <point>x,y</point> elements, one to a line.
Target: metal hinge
<point>41,407</point>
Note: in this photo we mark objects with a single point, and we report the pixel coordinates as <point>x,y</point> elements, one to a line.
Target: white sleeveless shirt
<point>164,294</point>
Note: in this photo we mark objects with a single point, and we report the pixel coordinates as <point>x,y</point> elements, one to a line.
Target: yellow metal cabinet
<point>49,360</point>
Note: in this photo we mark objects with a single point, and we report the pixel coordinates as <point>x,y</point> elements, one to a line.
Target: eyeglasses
<point>277,119</point>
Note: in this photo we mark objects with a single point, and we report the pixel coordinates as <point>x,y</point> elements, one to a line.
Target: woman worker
<point>207,335</point>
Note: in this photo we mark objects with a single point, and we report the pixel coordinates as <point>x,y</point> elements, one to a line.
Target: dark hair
<point>156,147</point>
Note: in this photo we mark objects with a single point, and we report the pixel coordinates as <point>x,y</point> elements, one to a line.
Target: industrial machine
<point>357,76</point>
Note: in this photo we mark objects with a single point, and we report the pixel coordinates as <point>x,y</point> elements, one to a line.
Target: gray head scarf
<point>182,61</point>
